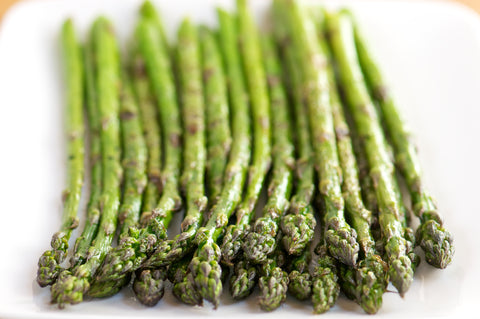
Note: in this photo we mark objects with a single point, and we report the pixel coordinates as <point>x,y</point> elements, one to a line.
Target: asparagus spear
<point>151,130</point>
<point>49,263</point>
<point>191,96</point>
<point>148,284</point>
<point>134,158</point>
<point>70,287</point>
<point>435,240</point>
<point>148,287</point>
<point>204,279</point>
<point>219,138</point>
<point>148,11</point>
<point>134,249</point>
<point>135,178</point>
<point>273,282</point>
<point>366,283</point>
<point>258,92</point>
<point>90,229</point>
<point>381,167</point>
<point>260,242</point>
<point>341,238</point>
<point>299,223</point>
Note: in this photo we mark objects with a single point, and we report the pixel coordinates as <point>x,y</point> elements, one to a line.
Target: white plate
<point>430,52</point>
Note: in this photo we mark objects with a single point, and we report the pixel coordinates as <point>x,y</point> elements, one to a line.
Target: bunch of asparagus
<point>205,125</point>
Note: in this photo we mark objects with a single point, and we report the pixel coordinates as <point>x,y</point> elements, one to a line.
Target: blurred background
<point>474,4</point>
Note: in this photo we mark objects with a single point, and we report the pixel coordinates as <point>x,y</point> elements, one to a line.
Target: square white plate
<point>430,52</point>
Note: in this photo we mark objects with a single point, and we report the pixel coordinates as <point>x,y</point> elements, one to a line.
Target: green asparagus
<point>381,167</point>
<point>191,96</point>
<point>300,279</point>
<point>135,248</point>
<point>258,92</point>
<point>49,263</point>
<point>71,287</point>
<point>219,138</point>
<point>149,285</point>
<point>273,282</point>
<point>366,283</point>
<point>243,280</point>
<point>299,223</point>
<point>260,242</point>
<point>340,237</point>
<point>134,158</point>
<point>151,130</point>
<point>435,240</point>
<point>325,286</point>
<point>90,229</point>
<point>204,280</point>
<point>135,178</point>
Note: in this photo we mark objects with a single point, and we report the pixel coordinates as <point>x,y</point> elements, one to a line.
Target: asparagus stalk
<point>340,237</point>
<point>408,232</point>
<point>299,223</point>
<point>435,240</point>
<point>49,263</point>
<point>90,229</point>
<point>71,287</point>
<point>188,56</point>
<point>134,158</point>
<point>133,250</point>
<point>381,167</point>
<point>219,138</point>
<point>204,279</point>
<point>151,130</point>
<point>258,92</point>
<point>260,242</point>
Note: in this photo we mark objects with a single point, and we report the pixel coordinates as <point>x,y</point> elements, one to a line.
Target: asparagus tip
<point>243,280</point>
<point>232,244</point>
<point>273,289</point>
<point>300,285</point>
<point>367,283</point>
<point>342,242</point>
<point>68,289</point>
<point>186,292</point>
<point>261,242</point>
<point>149,285</point>
<point>436,242</point>
<point>298,230</point>
<point>401,274</point>
<point>325,286</point>
<point>118,262</point>
<point>48,268</point>
<point>207,273</point>
<point>103,289</point>
<point>160,257</point>
<point>181,245</point>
